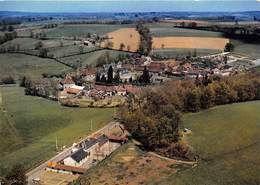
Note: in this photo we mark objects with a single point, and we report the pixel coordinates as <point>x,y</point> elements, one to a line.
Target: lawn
<point>227,139</point>
<point>29,127</point>
<point>19,65</point>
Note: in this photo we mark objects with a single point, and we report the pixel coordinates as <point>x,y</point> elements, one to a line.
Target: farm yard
<point>130,165</point>
<point>29,127</point>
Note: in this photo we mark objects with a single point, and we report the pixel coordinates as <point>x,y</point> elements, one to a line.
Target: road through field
<point>36,172</point>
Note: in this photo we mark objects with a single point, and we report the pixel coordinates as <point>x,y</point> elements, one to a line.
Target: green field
<point>227,139</point>
<point>90,58</point>
<point>19,65</point>
<point>29,127</point>
<point>81,30</point>
<point>29,43</point>
<point>179,52</point>
<point>247,49</point>
<point>167,30</point>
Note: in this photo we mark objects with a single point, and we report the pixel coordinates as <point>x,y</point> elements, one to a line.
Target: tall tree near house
<point>98,77</point>
<point>145,78</point>
<point>103,79</point>
<point>110,75</point>
<point>117,77</point>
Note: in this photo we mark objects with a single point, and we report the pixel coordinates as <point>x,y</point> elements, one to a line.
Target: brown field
<point>127,36</point>
<point>130,37</point>
<point>190,42</point>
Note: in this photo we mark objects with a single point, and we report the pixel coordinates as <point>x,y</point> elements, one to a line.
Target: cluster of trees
<point>44,87</point>
<point>146,42</point>
<point>7,80</point>
<point>154,117</point>
<point>48,26</point>
<point>8,36</point>
<point>16,176</point>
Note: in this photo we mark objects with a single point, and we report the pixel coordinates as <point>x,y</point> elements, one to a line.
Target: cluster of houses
<point>130,70</point>
<point>87,154</point>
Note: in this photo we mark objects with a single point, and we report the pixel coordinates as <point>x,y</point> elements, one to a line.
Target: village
<point>110,84</point>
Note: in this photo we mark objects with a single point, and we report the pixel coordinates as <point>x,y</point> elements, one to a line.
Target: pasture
<point>227,140</point>
<point>166,29</point>
<point>29,127</point>
<point>90,58</point>
<point>19,65</point>
<point>81,30</point>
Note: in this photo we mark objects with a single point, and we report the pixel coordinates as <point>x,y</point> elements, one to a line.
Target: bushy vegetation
<point>154,117</point>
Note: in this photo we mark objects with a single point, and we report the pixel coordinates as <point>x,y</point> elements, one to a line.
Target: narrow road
<point>36,172</point>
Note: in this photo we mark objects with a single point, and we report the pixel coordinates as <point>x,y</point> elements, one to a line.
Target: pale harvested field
<point>127,36</point>
<point>130,37</point>
<point>190,42</point>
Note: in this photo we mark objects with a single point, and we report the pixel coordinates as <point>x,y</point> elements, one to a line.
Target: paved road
<point>36,172</point>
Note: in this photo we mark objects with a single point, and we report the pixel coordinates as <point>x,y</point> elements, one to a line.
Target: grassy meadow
<point>90,58</point>
<point>29,127</point>
<point>227,140</point>
<point>19,65</point>
<point>163,29</point>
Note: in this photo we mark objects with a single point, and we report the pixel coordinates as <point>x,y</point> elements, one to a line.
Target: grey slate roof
<point>102,139</point>
<point>79,155</point>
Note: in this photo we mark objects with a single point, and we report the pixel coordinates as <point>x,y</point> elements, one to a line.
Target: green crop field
<point>29,127</point>
<point>81,30</point>
<point>167,29</point>
<point>18,65</point>
<point>227,139</point>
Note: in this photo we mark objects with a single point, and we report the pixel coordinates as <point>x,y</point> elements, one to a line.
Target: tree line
<point>146,42</point>
<point>154,117</point>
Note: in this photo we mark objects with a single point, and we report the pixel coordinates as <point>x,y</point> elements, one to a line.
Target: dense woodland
<point>154,117</point>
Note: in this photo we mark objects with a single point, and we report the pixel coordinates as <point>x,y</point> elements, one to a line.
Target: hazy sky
<point>128,5</point>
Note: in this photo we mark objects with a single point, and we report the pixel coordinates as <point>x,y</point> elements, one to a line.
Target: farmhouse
<point>77,158</point>
<point>67,82</point>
